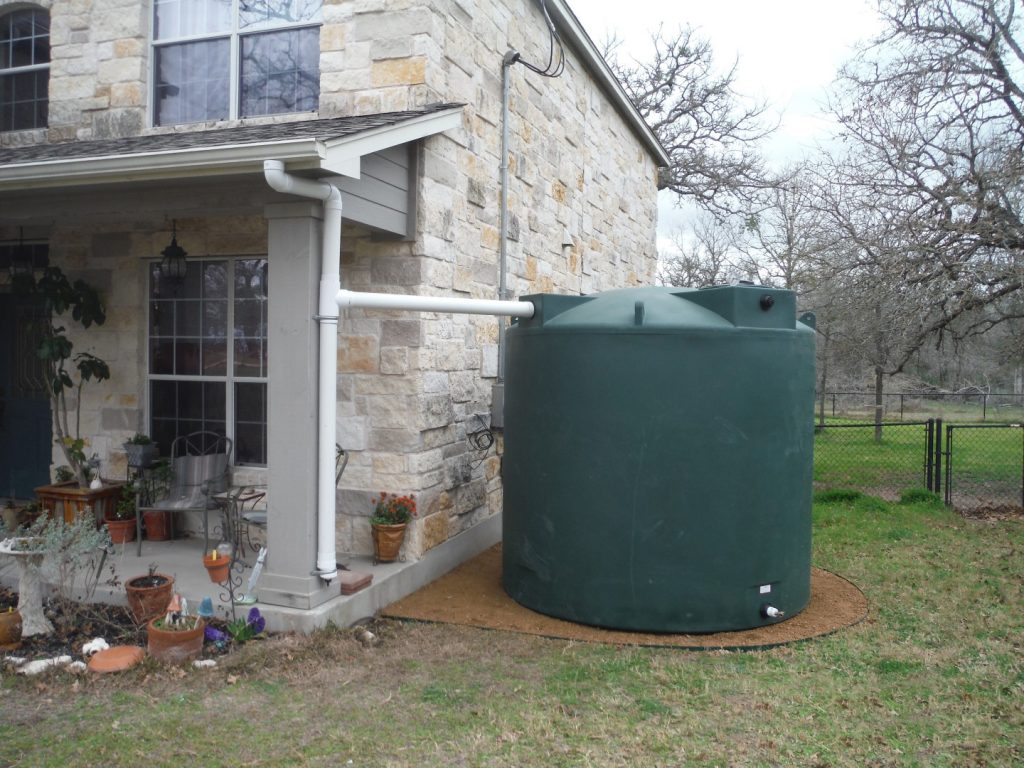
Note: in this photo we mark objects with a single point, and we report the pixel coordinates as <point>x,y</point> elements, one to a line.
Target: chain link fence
<point>984,467</point>
<point>978,468</point>
<point>970,406</point>
<point>852,456</point>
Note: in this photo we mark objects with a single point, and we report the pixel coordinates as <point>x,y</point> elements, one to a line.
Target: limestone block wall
<point>582,208</point>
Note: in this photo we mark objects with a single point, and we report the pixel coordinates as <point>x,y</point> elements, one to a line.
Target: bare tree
<point>710,133</point>
<point>933,115</point>
<point>704,256</point>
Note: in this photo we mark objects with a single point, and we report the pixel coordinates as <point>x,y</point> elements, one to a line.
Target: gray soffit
<point>331,146</point>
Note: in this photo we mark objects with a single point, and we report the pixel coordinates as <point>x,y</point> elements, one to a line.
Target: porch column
<point>293,256</point>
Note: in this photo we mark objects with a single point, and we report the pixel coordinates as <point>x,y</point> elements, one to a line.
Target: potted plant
<point>60,296</point>
<point>121,521</point>
<point>175,638</point>
<point>217,565</point>
<point>149,595</point>
<point>141,451</point>
<point>391,514</point>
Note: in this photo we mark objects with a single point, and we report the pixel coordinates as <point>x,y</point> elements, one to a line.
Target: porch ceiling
<point>328,147</point>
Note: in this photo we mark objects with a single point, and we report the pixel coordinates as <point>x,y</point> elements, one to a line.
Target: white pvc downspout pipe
<point>327,318</point>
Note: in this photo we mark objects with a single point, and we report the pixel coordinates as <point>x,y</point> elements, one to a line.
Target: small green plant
<point>72,550</point>
<point>139,439</point>
<point>252,626</point>
<point>125,509</point>
<point>390,509</point>
<point>63,473</point>
<point>919,496</point>
<point>837,496</point>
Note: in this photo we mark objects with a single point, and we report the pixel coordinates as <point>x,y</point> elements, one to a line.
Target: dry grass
<point>934,677</point>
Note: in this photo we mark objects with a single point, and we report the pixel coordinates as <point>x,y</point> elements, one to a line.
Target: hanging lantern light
<point>172,262</point>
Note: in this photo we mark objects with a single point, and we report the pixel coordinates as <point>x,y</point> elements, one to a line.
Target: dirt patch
<point>472,595</point>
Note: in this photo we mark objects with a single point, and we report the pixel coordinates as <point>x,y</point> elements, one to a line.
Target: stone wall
<point>582,219</point>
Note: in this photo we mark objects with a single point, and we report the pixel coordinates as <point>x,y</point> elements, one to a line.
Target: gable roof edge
<point>574,33</point>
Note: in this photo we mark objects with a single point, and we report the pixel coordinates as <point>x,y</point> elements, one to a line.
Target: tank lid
<point>665,308</point>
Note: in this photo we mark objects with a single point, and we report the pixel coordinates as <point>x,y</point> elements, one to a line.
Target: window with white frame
<point>208,354</point>
<point>224,59</point>
<point>24,69</point>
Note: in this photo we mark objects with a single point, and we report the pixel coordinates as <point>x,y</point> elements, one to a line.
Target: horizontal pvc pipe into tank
<point>365,300</point>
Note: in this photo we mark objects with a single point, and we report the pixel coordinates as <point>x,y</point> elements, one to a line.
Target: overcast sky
<point>787,51</point>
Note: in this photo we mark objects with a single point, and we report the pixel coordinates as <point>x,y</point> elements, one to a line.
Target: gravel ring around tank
<point>472,595</point>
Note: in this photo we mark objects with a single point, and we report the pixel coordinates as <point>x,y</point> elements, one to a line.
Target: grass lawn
<point>934,677</point>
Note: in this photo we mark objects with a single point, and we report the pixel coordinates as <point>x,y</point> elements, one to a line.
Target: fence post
<point>948,496</point>
<point>929,447</point>
<point>984,405</point>
<point>833,405</point>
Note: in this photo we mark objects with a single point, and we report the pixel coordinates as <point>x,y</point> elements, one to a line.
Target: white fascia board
<point>574,33</point>
<point>340,152</point>
<point>162,164</point>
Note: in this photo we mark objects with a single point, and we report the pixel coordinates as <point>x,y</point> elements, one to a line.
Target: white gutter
<point>327,317</point>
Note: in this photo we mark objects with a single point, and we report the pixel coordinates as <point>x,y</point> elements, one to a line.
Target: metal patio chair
<point>200,469</point>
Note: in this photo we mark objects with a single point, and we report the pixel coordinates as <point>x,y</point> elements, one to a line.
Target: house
<point>124,124</point>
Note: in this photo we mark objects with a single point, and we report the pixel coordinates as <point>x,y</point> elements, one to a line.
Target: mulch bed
<point>77,624</point>
<point>472,595</point>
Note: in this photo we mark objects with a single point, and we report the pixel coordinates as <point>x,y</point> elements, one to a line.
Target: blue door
<point>26,436</point>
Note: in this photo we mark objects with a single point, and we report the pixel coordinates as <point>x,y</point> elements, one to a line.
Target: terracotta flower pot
<point>217,568</point>
<point>175,646</point>
<point>148,596</point>
<point>121,531</point>
<point>387,541</point>
<point>10,630</point>
<point>158,525</point>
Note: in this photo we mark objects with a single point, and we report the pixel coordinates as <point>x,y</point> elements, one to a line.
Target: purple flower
<point>256,621</point>
<point>214,635</point>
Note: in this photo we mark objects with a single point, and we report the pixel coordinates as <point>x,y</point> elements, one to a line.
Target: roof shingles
<point>322,129</point>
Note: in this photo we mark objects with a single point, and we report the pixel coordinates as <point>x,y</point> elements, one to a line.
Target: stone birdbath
<point>30,585</point>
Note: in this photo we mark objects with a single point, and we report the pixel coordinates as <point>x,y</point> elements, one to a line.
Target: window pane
<point>280,72</point>
<point>23,100</point>
<point>215,357</point>
<point>161,318</point>
<point>183,18</point>
<point>251,279</point>
<point>191,83</point>
<point>249,357</point>
<point>251,423</point>
<point>268,13</point>
<point>161,356</point>
<point>187,318</point>
<point>186,357</point>
<point>164,399</point>
<point>182,407</point>
<point>215,280</point>
<point>215,319</point>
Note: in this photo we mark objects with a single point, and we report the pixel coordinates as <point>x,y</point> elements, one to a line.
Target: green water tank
<point>657,465</point>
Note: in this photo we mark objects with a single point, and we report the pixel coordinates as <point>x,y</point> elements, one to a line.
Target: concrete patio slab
<point>182,559</point>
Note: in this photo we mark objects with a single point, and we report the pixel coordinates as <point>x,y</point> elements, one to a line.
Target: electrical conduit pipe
<point>327,318</point>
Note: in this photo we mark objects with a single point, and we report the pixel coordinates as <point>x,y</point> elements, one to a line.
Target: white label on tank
<point>766,588</point>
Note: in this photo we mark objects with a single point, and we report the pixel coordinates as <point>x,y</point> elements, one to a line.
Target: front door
<point>26,436</point>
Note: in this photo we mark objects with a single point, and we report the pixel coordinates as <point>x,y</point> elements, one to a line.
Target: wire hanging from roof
<point>556,61</point>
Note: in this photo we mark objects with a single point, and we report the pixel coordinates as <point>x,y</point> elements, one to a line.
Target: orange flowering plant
<point>392,510</point>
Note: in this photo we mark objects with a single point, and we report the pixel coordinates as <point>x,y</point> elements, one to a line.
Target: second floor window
<point>224,59</point>
<point>24,69</point>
